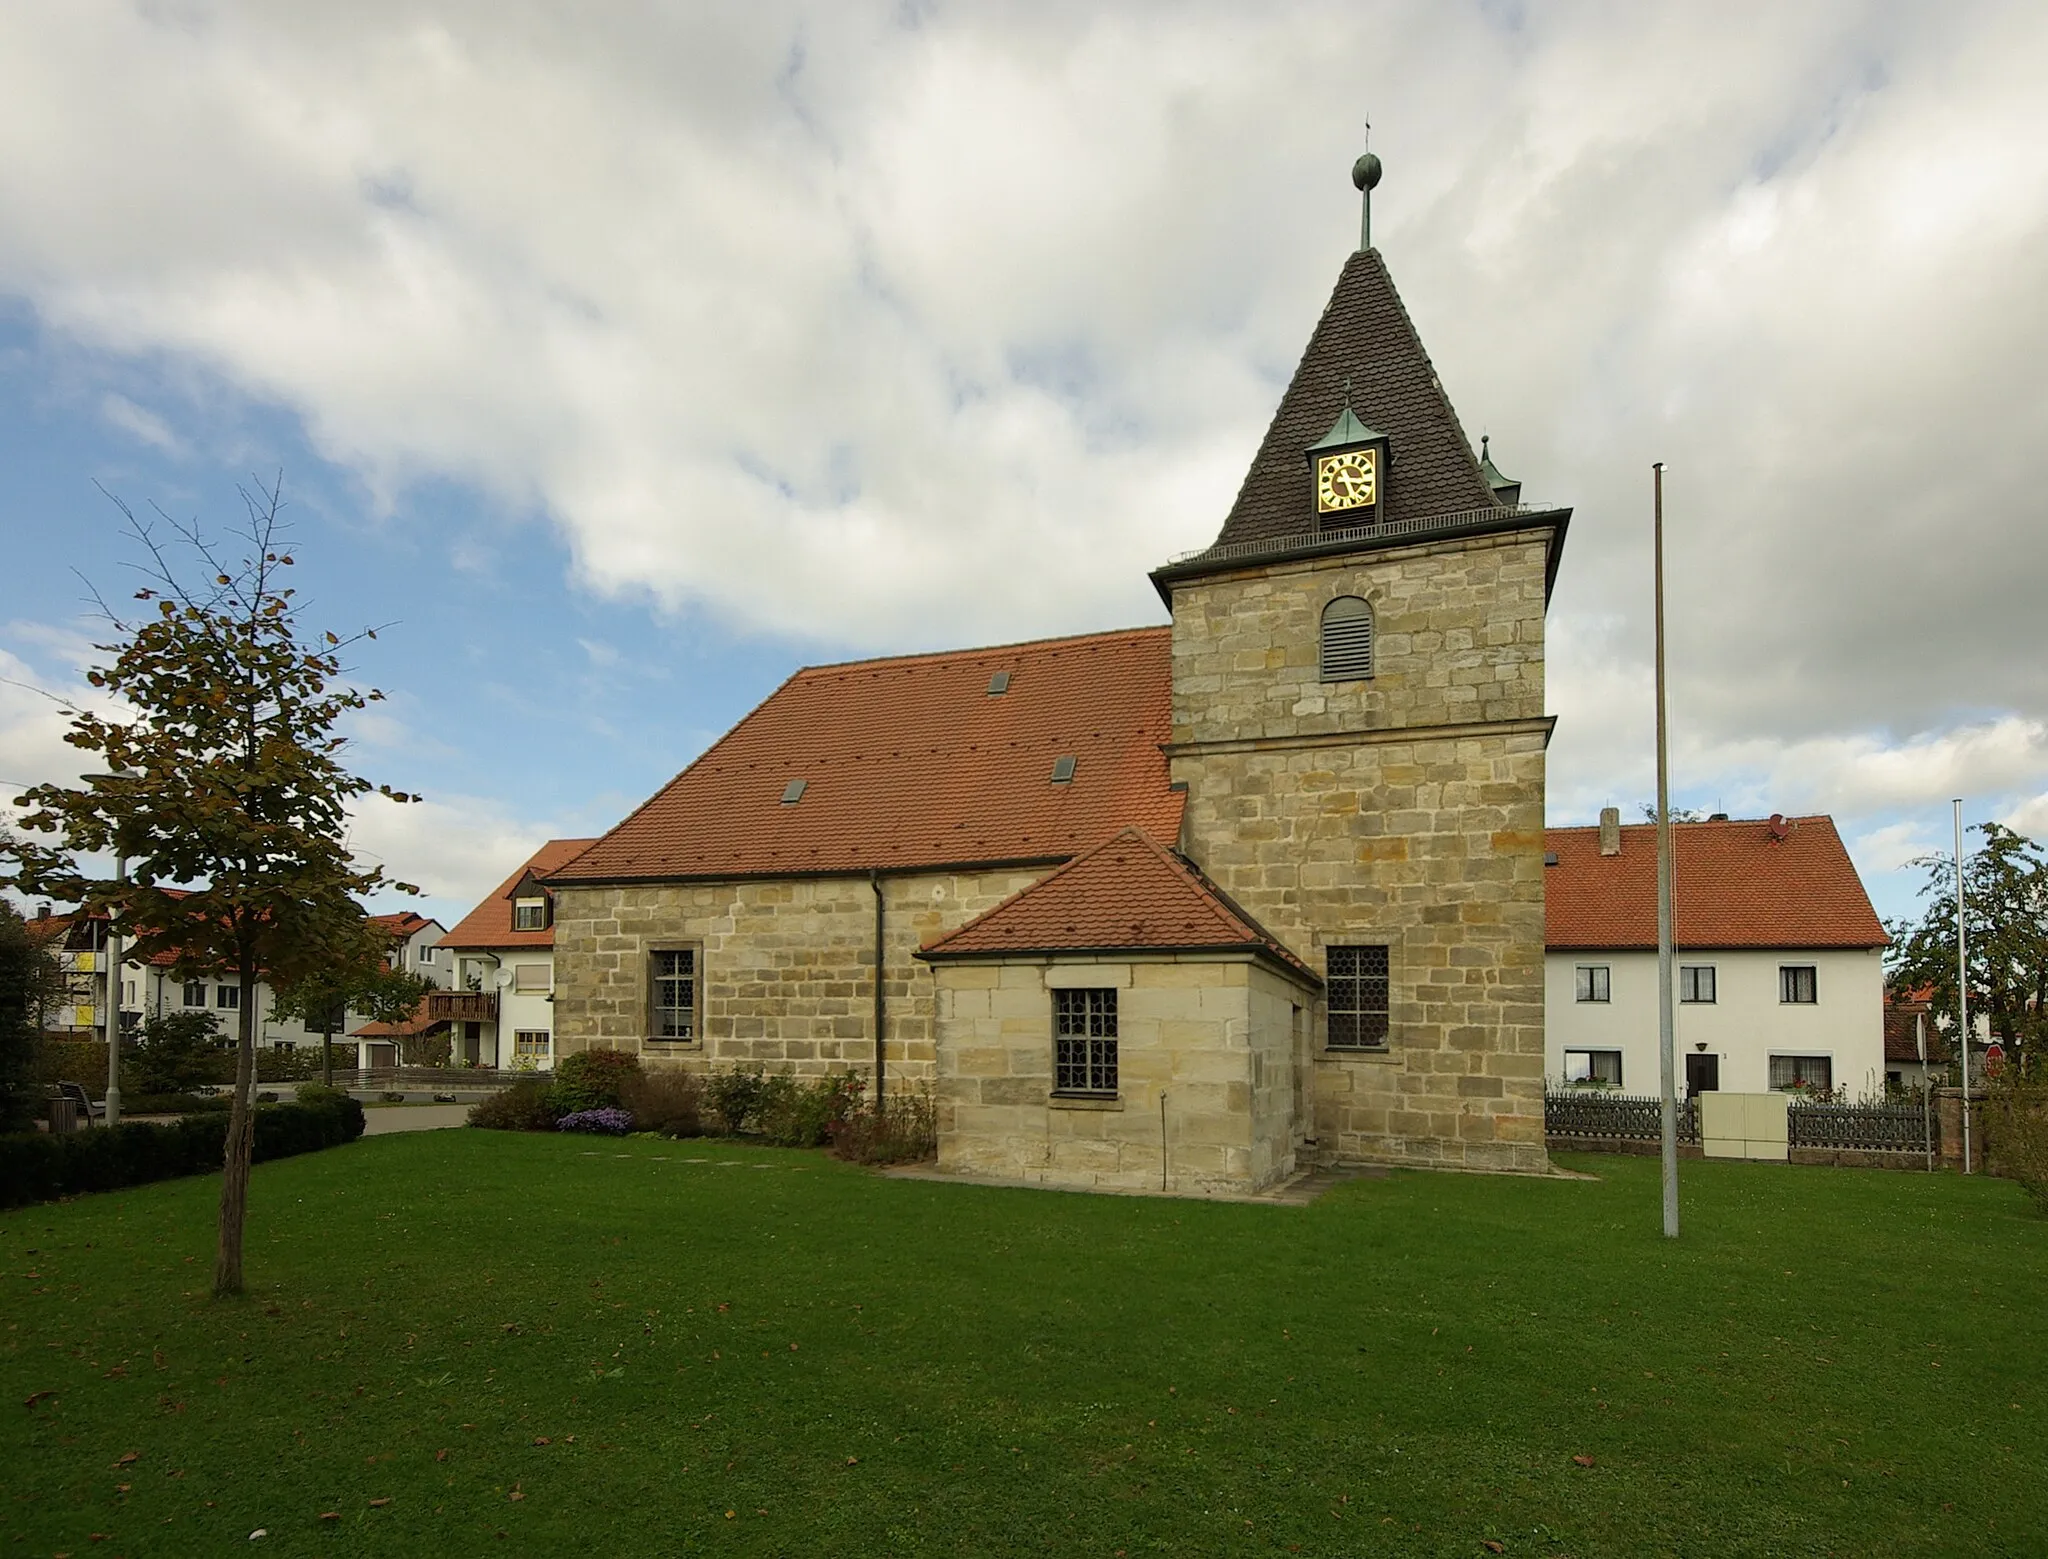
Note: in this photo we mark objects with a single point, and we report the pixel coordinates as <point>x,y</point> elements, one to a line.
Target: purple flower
<point>605,1123</point>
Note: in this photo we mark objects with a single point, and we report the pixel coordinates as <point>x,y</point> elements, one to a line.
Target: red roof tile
<point>490,923</point>
<point>910,762</point>
<point>1127,894</point>
<point>401,923</point>
<point>1902,1032</point>
<point>418,1023</point>
<point>1734,885</point>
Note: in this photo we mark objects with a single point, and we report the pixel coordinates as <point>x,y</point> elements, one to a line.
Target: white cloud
<point>138,422</point>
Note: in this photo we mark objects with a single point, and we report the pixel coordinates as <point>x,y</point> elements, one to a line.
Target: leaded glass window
<point>675,995</point>
<point>1084,1041</point>
<point>1358,997</point>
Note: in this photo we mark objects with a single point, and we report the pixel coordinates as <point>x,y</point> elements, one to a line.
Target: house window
<point>529,914</point>
<point>424,955</point>
<point>530,1044</point>
<point>1815,1072</point>
<point>195,993</point>
<point>1084,1041</point>
<point>532,977</point>
<point>1696,982</point>
<point>228,997</point>
<point>674,997</point>
<point>1593,982</point>
<point>1358,997</point>
<point>1797,984</point>
<point>1347,640</point>
<point>1593,1067</point>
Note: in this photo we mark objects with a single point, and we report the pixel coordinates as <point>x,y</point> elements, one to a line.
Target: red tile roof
<point>401,923</point>
<point>1734,885</point>
<point>418,1023</point>
<point>490,923</point>
<point>1902,1032</point>
<point>1127,894</point>
<point>910,762</point>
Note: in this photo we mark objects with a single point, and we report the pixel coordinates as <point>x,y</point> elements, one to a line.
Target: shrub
<point>287,1065</point>
<point>592,1080</point>
<point>82,1061</point>
<point>179,1050</point>
<point>804,1115</point>
<point>2016,1128</point>
<point>904,1130</point>
<point>522,1107</point>
<point>667,1101</point>
<point>35,1167</point>
<point>604,1123</point>
<point>736,1096</point>
<point>170,1103</point>
<point>315,1093</point>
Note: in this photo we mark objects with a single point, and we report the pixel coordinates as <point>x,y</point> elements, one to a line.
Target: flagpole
<point>1963,983</point>
<point>1667,1016</point>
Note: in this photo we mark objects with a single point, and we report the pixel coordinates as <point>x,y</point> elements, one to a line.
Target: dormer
<point>533,907</point>
<point>1349,467</point>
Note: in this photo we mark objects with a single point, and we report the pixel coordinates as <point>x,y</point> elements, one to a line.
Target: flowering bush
<point>607,1122</point>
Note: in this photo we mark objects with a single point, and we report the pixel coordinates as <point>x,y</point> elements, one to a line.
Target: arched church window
<point>1347,639</point>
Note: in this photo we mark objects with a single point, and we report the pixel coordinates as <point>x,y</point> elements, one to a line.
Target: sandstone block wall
<point>1405,810</point>
<point>1200,1030</point>
<point>786,967</point>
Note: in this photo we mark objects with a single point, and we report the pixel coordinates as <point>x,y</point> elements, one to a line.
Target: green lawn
<point>477,1342</point>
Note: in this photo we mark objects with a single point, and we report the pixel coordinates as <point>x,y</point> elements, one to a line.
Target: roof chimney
<point>1610,830</point>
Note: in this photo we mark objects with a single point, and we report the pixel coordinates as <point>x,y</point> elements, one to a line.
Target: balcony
<point>462,1006</point>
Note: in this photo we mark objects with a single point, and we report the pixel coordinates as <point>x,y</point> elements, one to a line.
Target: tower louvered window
<point>1347,639</point>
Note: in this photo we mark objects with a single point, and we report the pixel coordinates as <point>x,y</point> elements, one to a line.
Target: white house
<point>504,950</point>
<point>1780,967</point>
<point>149,989</point>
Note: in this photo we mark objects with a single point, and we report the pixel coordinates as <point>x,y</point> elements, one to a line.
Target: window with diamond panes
<point>1357,990</point>
<point>1084,1041</point>
<point>675,995</point>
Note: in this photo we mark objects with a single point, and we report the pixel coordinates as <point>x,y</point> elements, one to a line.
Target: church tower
<point>1358,720</point>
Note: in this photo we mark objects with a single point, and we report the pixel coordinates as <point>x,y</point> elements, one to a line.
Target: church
<point>1186,908</point>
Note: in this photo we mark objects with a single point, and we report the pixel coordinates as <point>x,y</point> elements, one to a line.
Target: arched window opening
<point>1347,639</point>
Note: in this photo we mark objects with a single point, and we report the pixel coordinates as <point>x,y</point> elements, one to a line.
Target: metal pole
<point>1963,984</point>
<point>1667,1012</point>
<point>114,1005</point>
<point>1926,1089</point>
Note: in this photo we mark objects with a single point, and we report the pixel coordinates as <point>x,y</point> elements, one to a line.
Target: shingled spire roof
<point>1366,340</point>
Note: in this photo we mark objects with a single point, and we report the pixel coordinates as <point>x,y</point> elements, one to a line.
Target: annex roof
<point>1364,346</point>
<point>403,923</point>
<point>1128,894</point>
<point>490,923</point>
<point>1736,884</point>
<point>418,1023</point>
<point>913,762</point>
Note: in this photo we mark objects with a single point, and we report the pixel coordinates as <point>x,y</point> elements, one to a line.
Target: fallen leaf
<point>1583,1461</point>
<point>730,1513</point>
<point>37,1396</point>
<point>123,1461</point>
<point>379,1504</point>
<point>259,1532</point>
<point>330,1515</point>
<point>853,1461</point>
<point>541,1439</point>
<point>440,1456</point>
<point>517,1495</point>
<point>1492,1547</point>
<point>122,1488</point>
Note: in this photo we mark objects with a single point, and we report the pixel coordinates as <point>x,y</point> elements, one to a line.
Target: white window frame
<point>227,998</point>
<point>1789,985</point>
<point>195,988</point>
<point>1797,1061</point>
<point>530,914</point>
<point>1591,1071</point>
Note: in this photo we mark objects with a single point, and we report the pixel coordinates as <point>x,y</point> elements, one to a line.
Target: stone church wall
<point>786,967</point>
<point>1407,810</point>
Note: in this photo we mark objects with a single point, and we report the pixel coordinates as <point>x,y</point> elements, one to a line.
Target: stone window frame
<point>1100,1061</point>
<point>1333,982</point>
<point>669,1045</point>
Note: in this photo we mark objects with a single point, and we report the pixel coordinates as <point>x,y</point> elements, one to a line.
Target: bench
<point>81,1101</point>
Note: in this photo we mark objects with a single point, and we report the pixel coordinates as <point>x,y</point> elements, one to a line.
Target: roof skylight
<point>793,792</point>
<point>1062,771</point>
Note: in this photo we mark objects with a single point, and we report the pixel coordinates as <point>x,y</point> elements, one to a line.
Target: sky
<point>619,359</point>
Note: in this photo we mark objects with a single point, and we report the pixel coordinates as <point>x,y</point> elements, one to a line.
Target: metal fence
<point>1906,1126</point>
<point>1615,1117</point>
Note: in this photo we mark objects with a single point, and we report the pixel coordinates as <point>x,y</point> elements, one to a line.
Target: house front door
<point>1702,1074</point>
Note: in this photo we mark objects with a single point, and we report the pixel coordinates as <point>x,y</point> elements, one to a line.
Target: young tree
<point>31,982</point>
<point>178,1050</point>
<point>323,998</point>
<point>2005,904</point>
<point>226,780</point>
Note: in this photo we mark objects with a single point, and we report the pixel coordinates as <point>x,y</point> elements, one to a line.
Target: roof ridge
<point>985,649</point>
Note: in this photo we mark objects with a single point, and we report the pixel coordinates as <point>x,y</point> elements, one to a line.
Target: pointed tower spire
<point>1506,489</point>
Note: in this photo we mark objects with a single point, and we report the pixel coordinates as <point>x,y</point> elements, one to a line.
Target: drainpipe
<point>881,1001</point>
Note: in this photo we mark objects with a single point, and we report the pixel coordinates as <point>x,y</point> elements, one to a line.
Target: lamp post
<point>114,972</point>
<point>1667,1018</point>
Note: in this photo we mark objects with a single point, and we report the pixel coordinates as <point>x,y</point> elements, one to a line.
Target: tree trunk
<point>241,1146</point>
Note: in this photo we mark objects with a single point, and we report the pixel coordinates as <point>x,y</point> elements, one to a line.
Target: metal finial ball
<point>1365,173</point>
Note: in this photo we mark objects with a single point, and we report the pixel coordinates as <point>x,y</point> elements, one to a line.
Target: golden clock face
<point>1347,481</point>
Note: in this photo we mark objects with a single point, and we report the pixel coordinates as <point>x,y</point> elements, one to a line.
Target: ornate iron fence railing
<point>1619,1117</point>
<point>1901,1127</point>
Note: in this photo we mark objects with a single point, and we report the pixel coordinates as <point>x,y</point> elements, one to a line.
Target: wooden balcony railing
<point>462,1006</point>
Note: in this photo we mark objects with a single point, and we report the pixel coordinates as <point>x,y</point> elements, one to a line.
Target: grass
<point>467,1342</point>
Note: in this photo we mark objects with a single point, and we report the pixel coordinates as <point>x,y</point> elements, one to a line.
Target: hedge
<point>35,1167</point>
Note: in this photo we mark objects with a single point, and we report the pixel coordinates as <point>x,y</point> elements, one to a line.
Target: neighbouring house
<point>503,952</point>
<point>1916,1047</point>
<point>1185,907</point>
<point>1780,958</point>
<point>151,988</point>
